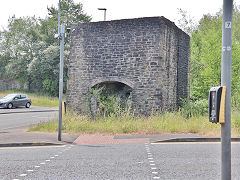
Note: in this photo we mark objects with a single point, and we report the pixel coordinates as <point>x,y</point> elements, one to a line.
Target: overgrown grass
<point>166,123</point>
<point>37,99</point>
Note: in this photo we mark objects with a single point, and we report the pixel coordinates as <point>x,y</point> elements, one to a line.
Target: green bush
<point>192,108</point>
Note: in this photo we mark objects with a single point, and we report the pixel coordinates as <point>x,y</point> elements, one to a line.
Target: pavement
<point>20,137</point>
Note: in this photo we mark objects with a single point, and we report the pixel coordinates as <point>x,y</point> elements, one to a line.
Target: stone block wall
<point>149,55</point>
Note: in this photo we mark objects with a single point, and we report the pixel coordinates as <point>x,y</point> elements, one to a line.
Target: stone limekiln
<point>146,59</point>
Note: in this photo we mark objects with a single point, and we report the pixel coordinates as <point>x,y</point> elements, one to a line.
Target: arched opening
<point>110,97</point>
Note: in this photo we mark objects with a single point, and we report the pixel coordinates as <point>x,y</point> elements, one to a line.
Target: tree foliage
<point>206,48</point>
<point>30,53</point>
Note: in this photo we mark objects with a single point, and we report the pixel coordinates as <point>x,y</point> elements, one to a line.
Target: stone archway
<point>115,91</point>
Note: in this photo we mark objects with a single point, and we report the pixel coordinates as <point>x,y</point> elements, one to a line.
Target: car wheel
<point>28,105</point>
<point>10,106</point>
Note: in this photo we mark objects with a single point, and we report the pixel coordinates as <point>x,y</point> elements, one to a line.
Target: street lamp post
<point>60,36</point>
<point>103,9</point>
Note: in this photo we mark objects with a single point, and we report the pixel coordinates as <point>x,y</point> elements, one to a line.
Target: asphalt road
<point>142,161</point>
<point>14,118</point>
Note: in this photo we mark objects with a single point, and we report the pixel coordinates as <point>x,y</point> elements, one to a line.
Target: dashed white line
<point>52,157</point>
<point>37,166</point>
<point>156,177</point>
<point>48,160</point>
<point>152,164</point>
<point>150,158</point>
<point>43,163</point>
<point>155,172</point>
<point>56,155</point>
<point>22,175</point>
<point>29,170</point>
<point>151,161</point>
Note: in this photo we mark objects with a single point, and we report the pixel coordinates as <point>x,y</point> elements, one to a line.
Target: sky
<point>116,9</point>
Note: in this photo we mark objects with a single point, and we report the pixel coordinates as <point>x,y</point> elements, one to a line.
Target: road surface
<point>136,161</point>
<point>19,117</point>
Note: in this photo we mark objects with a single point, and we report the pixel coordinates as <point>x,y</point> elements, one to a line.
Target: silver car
<point>15,100</point>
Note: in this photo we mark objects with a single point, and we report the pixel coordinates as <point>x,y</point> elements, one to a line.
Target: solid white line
<point>22,175</point>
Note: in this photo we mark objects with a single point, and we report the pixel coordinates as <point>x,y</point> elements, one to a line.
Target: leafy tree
<point>206,48</point>
<point>30,53</point>
<point>18,47</point>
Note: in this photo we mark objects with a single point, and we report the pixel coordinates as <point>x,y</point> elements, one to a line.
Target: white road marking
<point>42,163</point>
<point>15,179</point>
<point>48,160</point>
<point>36,166</point>
<point>22,175</point>
<point>151,161</point>
<point>56,155</point>
<point>29,170</point>
<point>52,157</point>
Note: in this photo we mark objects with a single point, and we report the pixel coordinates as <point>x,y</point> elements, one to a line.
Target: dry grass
<point>166,123</point>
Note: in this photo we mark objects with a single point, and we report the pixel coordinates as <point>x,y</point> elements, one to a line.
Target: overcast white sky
<point>116,9</point>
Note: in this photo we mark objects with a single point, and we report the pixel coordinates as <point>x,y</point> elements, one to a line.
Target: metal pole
<point>105,14</point>
<point>59,17</point>
<point>103,9</point>
<point>226,69</point>
<point>61,82</point>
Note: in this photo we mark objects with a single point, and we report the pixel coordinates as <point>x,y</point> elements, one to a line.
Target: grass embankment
<point>166,123</point>
<point>37,99</point>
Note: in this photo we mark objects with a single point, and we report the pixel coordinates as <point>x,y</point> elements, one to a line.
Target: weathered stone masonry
<point>149,55</point>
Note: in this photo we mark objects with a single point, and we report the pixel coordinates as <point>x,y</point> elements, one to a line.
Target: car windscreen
<point>8,97</point>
